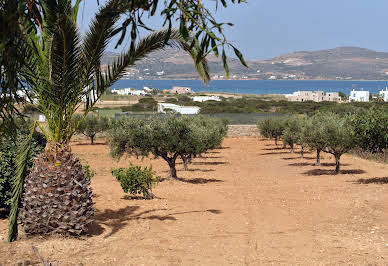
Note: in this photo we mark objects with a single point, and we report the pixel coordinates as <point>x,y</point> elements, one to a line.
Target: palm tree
<point>65,74</point>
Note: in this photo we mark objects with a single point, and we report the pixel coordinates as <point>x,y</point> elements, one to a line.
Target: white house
<point>384,94</point>
<point>184,110</point>
<point>125,91</point>
<point>205,98</point>
<point>129,91</point>
<point>138,93</point>
<point>359,96</point>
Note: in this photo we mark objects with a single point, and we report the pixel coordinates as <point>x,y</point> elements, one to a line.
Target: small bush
<point>88,172</point>
<point>136,180</point>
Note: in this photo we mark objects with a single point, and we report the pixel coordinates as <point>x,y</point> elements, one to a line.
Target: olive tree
<point>313,134</point>
<point>371,129</point>
<point>271,128</point>
<point>292,133</point>
<point>167,138</point>
<point>338,135</point>
<point>92,125</point>
<point>208,134</point>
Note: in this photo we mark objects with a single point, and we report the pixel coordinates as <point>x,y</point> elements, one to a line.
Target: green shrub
<point>135,180</point>
<point>146,104</point>
<point>88,172</point>
<point>371,130</point>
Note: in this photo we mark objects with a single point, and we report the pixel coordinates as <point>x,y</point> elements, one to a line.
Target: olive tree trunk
<point>302,151</point>
<point>172,164</point>
<point>186,159</point>
<point>318,157</point>
<point>337,163</point>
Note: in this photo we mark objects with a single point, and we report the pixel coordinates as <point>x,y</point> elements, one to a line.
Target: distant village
<point>320,96</point>
<point>169,107</point>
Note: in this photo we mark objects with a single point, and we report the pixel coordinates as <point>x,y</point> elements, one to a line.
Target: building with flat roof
<point>314,96</point>
<point>384,94</point>
<point>205,98</point>
<point>180,90</point>
<point>184,110</point>
<point>359,96</point>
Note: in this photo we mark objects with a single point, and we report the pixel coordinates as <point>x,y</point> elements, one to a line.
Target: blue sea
<point>257,86</point>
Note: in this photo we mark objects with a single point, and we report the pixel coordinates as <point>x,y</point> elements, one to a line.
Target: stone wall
<point>243,131</point>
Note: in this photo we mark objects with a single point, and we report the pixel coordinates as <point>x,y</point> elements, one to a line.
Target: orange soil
<point>248,203</point>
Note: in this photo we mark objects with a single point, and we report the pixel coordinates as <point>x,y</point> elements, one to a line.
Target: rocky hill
<point>338,63</point>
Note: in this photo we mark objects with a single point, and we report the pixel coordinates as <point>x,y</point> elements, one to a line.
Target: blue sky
<point>268,28</point>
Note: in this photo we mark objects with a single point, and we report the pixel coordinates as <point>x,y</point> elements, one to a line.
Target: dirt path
<point>246,204</point>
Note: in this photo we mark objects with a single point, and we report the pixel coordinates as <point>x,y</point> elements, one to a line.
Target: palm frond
<point>60,73</point>
<point>97,39</point>
<point>18,184</point>
<point>153,42</point>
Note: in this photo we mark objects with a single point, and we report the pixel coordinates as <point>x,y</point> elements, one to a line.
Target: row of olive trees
<point>167,137</point>
<point>330,133</point>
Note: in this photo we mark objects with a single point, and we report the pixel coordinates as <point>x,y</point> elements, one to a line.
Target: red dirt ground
<point>248,203</point>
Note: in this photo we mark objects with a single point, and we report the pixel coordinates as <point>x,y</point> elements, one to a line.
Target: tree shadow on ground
<point>373,180</point>
<point>189,170</point>
<point>118,219</point>
<point>295,158</point>
<point>4,213</point>
<point>88,144</point>
<point>317,172</point>
<point>209,163</point>
<point>137,197</point>
<point>275,153</point>
<point>209,157</point>
<point>200,170</point>
<point>313,164</point>
<point>199,180</point>
<point>273,149</point>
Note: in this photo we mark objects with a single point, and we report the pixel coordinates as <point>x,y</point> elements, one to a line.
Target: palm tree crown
<point>67,67</point>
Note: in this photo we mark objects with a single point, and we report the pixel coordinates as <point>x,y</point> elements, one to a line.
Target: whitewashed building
<point>315,96</point>
<point>138,92</point>
<point>129,91</point>
<point>205,98</point>
<point>184,110</point>
<point>359,96</point>
<point>125,91</point>
<point>384,94</point>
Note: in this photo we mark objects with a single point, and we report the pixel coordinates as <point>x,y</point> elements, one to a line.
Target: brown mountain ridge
<point>338,63</point>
